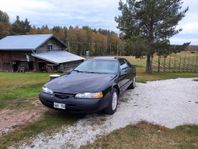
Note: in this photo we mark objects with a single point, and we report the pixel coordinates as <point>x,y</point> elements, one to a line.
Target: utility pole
<point>110,48</point>
<point>117,49</point>
<point>68,46</point>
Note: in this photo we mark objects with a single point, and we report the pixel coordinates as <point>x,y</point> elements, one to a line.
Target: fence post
<point>174,67</point>
<point>184,64</point>
<point>164,65</point>
<point>169,65</point>
<point>179,67</point>
<point>189,60</point>
<point>158,68</point>
<point>191,64</point>
<point>196,66</point>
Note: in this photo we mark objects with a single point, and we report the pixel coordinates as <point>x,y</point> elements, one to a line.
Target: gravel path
<point>168,103</point>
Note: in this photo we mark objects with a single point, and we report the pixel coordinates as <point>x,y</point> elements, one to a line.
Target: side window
<point>123,64</point>
<point>50,47</point>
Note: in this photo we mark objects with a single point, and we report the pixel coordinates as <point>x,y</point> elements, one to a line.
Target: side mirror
<point>54,76</point>
<point>123,72</point>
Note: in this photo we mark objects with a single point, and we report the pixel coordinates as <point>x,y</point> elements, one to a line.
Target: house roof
<point>24,42</point>
<point>57,57</point>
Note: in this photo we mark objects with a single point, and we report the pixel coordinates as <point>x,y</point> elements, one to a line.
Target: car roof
<point>106,58</point>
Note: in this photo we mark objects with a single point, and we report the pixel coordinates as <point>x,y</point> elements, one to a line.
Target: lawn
<point>20,91</point>
<point>143,77</point>
<point>148,136</point>
<point>175,58</point>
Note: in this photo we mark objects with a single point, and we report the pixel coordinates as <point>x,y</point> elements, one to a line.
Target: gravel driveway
<point>168,103</point>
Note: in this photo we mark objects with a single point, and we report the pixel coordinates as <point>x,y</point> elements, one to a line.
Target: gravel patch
<point>164,103</point>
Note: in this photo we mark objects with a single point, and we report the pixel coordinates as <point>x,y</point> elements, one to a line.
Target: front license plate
<point>59,106</point>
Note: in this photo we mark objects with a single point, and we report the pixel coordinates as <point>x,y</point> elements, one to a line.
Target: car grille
<point>63,95</point>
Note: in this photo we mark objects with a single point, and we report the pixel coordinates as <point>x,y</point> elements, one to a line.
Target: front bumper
<point>75,105</point>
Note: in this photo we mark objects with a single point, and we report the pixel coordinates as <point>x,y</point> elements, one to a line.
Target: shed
<point>39,52</point>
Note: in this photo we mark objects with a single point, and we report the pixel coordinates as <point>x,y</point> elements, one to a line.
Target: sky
<point>93,13</point>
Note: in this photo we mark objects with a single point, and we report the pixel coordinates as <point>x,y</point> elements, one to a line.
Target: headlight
<point>90,95</point>
<point>47,90</point>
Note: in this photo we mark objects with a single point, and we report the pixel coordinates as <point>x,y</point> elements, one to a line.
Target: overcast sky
<point>93,13</point>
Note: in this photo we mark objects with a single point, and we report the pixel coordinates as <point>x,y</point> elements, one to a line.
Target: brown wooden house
<point>40,52</point>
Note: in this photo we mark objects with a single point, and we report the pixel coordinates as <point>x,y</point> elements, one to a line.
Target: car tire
<point>112,107</point>
<point>133,84</point>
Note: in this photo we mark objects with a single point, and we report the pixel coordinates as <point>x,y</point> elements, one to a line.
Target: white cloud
<point>190,28</point>
<point>193,41</point>
<point>94,13</point>
<point>20,5</point>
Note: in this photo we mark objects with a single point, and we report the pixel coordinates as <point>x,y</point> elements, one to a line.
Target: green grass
<point>20,88</point>
<point>148,136</point>
<point>48,123</point>
<point>175,58</point>
<point>143,77</point>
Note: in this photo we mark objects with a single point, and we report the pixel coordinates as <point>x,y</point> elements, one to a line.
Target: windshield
<point>98,66</point>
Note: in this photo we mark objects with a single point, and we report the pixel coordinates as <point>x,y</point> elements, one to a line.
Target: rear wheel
<point>133,84</point>
<point>112,107</point>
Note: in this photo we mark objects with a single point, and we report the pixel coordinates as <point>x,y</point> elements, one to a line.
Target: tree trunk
<point>149,68</point>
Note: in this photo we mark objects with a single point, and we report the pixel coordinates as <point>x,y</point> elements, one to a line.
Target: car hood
<point>77,82</point>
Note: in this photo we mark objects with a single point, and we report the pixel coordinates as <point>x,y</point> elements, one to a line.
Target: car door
<point>124,74</point>
<point>131,71</point>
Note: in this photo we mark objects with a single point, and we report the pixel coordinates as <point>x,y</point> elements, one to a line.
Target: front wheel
<point>133,84</point>
<point>112,107</point>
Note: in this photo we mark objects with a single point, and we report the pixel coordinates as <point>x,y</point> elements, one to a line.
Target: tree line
<point>78,39</point>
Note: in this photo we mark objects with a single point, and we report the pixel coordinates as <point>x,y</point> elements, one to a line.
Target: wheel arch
<point>117,88</point>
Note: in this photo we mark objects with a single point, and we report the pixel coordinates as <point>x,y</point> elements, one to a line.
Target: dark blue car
<point>93,86</point>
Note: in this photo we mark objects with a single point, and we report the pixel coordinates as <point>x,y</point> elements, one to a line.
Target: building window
<point>50,47</point>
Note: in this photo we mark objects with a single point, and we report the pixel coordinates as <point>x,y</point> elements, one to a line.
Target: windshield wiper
<point>78,70</point>
<point>81,71</point>
<point>99,72</point>
<point>90,72</point>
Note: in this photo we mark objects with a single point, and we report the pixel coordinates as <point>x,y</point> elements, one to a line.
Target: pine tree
<point>20,27</point>
<point>148,24</point>
<point>5,26</point>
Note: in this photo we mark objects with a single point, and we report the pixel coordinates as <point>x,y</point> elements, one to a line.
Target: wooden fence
<point>187,62</point>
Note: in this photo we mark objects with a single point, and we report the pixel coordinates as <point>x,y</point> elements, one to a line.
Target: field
<point>19,91</point>
<point>180,62</point>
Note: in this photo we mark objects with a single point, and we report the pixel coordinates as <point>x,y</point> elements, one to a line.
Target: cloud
<point>189,25</point>
<point>94,13</point>
<point>179,40</point>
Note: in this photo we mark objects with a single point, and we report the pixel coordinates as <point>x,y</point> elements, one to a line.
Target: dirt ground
<point>13,119</point>
<point>167,103</point>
